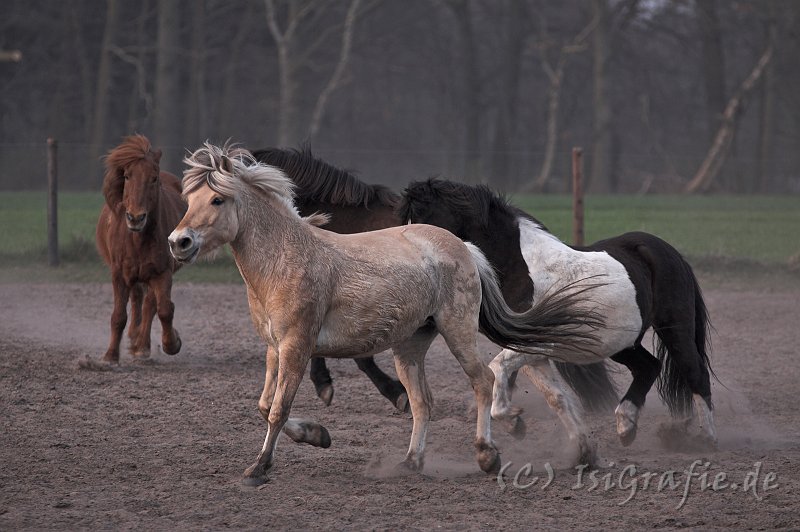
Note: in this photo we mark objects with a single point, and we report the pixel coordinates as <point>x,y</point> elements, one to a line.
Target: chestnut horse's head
<point>132,181</point>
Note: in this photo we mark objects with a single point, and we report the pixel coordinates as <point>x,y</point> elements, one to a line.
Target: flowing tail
<point>553,324</point>
<point>672,384</point>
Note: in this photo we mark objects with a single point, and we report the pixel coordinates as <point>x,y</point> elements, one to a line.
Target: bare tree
<point>713,62</point>
<point>102,86</point>
<point>730,117</point>
<point>168,107</point>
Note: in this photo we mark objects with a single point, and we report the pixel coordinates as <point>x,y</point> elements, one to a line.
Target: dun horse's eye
<point>217,201</point>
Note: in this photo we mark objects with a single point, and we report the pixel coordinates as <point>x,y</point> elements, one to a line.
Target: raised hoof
<point>325,392</point>
<point>627,417</point>
<point>255,475</point>
<point>401,403</point>
<point>88,363</point>
<point>324,438</point>
<point>488,458</point>
<point>174,347</point>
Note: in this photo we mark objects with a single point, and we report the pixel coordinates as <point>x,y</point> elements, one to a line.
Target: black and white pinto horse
<point>643,282</point>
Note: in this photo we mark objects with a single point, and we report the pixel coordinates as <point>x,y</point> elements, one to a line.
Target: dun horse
<point>646,283</point>
<point>143,204</point>
<point>317,293</point>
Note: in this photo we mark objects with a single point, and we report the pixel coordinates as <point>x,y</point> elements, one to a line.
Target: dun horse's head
<point>132,181</point>
<point>217,184</point>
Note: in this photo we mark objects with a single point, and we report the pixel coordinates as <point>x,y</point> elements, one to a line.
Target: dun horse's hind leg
<point>409,360</point>
<point>170,339</point>
<point>645,369</point>
<point>565,403</point>
<point>299,430</point>
<point>463,342</point>
<point>391,389</point>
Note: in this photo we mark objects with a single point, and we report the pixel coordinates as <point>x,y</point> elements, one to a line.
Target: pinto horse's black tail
<point>681,376</point>
<point>553,325</point>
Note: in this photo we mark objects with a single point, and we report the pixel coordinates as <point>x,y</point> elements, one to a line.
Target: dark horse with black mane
<point>355,207</point>
<point>143,205</point>
<point>644,282</point>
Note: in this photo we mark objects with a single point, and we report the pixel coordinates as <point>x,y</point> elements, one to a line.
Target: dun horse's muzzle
<point>183,245</point>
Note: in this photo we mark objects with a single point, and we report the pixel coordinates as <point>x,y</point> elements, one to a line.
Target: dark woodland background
<point>494,91</point>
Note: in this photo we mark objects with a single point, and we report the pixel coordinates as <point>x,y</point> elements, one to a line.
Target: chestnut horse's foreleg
<point>170,339</point>
<point>141,351</point>
<point>119,317</point>
<point>292,361</point>
<point>409,360</point>
<point>137,294</point>
<point>300,430</point>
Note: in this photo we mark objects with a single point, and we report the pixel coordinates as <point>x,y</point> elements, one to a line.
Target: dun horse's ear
<point>113,185</point>
<point>157,156</point>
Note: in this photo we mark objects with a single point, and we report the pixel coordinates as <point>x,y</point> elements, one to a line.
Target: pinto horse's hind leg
<point>409,360</point>
<point>390,388</point>
<point>505,367</point>
<point>645,369</point>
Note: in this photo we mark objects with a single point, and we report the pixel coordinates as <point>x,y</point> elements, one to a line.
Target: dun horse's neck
<point>265,244</point>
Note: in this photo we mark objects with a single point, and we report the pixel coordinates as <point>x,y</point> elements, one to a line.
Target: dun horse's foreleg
<point>505,365</point>
<point>299,430</point>
<point>291,366</point>
<point>390,388</point>
<point>409,360</point>
<point>170,339</point>
<point>119,317</point>
<point>142,343</point>
<point>563,401</point>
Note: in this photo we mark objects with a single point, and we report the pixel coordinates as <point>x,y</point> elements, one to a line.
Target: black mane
<point>476,202</point>
<point>319,181</point>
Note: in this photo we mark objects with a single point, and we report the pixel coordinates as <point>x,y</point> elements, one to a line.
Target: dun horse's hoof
<point>401,403</point>
<point>325,392</point>
<point>488,457</point>
<point>255,475</point>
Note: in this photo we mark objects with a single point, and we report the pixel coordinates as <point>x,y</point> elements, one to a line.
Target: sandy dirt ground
<point>163,446</point>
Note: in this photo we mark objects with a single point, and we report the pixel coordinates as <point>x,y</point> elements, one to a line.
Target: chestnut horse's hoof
<point>173,347</point>
<point>88,363</point>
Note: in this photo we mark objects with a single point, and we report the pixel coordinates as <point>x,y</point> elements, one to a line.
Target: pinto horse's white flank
<point>317,293</point>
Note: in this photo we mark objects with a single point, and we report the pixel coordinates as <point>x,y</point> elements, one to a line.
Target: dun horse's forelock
<point>225,169</point>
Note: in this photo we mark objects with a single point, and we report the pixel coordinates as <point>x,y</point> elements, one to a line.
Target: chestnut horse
<point>313,292</point>
<point>143,205</point>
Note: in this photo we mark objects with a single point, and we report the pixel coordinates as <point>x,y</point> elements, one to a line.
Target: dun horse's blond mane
<point>226,169</point>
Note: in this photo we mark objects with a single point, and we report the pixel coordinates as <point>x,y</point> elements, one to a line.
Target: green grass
<point>709,230</point>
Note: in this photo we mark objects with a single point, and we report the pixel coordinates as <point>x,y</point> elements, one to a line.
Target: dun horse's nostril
<point>185,242</point>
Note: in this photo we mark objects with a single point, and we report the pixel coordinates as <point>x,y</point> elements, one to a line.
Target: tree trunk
<point>168,109</point>
<point>336,78</point>
<point>102,86</point>
<point>713,63</point>
<point>472,92</point>
<point>766,122</point>
<point>730,117</point>
<point>600,175</point>
<point>196,113</point>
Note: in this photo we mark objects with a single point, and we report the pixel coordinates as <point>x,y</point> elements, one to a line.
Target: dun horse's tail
<point>554,323</point>
<point>672,383</point>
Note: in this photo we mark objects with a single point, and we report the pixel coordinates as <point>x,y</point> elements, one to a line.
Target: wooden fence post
<point>577,196</point>
<point>52,201</point>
